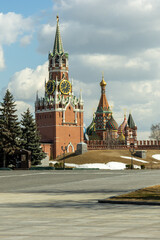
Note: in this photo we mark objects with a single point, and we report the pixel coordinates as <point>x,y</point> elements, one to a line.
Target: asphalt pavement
<point>63,205</point>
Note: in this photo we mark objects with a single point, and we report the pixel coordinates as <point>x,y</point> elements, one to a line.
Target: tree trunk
<point>4,159</point>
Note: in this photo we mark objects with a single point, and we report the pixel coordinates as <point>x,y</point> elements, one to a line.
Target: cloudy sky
<point>120,38</point>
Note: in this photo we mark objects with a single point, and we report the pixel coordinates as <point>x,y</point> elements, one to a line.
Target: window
<point>57,60</point>
<point>63,61</point>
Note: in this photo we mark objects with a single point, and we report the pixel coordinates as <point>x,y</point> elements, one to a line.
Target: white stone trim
<point>63,120</point>
<point>45,110</point>
<point>65,125</point>
<point>58,70</point>
<point>75,117</point>
<point>70,145</point>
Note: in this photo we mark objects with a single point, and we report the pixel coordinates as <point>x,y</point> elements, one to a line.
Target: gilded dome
<point>103,83</point>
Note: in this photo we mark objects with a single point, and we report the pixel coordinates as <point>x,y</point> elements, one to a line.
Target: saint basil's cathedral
<point>59,114</point>
<point>104,127</point>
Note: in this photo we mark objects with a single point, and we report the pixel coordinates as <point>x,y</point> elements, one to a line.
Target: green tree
<point>31,138</point>
<point>10,131</point>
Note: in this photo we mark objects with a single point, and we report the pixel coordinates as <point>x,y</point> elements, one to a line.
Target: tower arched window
<point>57,60</point>
<point>63,61</point>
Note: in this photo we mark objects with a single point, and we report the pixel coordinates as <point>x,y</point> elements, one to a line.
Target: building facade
<point>59,114</point>
<point>104,127</point>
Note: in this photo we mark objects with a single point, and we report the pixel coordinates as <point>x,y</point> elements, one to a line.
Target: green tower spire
<point>58,46</point>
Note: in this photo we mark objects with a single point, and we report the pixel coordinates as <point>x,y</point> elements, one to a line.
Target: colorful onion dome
<point>112,124</point>
<point>122,126</point>
<point>91,127</point>
<point>121,137</point>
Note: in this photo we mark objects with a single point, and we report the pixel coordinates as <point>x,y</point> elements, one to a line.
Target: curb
<point>5,169</point>
<point>77,169</point>
<point>41,168</point>
<point>129,202</point>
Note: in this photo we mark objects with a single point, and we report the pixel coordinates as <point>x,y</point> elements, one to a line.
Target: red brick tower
<point>128,130</point>
<point>131,132</point>
<point>59,115</point>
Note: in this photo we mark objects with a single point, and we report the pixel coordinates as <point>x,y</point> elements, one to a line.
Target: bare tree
<point>155,131</point>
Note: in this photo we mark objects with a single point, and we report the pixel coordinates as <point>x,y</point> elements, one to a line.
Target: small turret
<point>80,98</point>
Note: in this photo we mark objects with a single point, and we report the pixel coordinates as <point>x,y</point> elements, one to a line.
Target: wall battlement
<point>141,144</point>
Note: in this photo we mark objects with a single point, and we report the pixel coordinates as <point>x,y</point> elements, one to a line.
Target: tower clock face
<point>50,87</point>
<point>65,87</point>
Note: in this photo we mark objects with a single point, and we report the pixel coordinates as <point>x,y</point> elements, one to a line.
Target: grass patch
<point>105,156</point>
<point>145,194</point>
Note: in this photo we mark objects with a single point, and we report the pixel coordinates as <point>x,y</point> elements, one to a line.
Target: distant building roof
<point>131,122</point>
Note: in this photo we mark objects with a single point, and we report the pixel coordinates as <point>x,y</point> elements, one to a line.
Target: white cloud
<point>45,38</point>
<point>26,40</point>
<point>25,83</point>
<point>137,63</point>
<point>114,61</point>
<point>2,62</point>
<point>141,5</point>
<point>12,25</point>
<point>21,107</point>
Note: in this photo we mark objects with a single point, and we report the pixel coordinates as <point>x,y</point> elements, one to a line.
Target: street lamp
<point>132,151</point>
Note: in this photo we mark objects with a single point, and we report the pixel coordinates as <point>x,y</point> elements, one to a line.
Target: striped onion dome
<point>112,124</point>
<point>91,127</point>
<point>122,126</point>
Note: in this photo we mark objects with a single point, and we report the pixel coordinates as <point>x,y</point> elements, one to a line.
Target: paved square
<point>63,205</point>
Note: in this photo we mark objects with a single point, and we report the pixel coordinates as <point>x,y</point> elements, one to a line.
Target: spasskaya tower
<point>59,114</point>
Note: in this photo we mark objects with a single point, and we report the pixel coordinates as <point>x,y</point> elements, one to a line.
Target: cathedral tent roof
<point>58,46</point>
<point>131,122</point>
<point>103,103</point>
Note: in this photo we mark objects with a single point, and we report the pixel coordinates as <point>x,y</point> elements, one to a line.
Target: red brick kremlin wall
<point>143,145</point>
